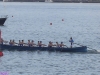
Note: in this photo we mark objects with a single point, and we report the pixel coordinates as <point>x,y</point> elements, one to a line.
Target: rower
<point>11,43</point>
<point>29,43</point>
<point>32,43</point>
<point>61,45</point>
<point>20,44</point>
<point>57,44</point>
<point>50,44</point>
<point>40,44</point>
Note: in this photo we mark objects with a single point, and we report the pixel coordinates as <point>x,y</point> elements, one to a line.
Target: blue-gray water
<point>32,21</point>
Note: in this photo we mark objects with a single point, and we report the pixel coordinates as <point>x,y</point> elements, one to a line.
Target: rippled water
<point>32,21</point>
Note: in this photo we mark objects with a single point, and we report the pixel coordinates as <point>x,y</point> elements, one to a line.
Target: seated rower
<point>11,42</point>
<point>62,45</point>
<point>50,44</point>
<point>32,43</point>
<point>57,44</point>
<point>29,43</point>
<point>20,43</point>
<point>40,44</point>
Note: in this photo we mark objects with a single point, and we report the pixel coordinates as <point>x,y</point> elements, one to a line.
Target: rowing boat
<point>27,48</point>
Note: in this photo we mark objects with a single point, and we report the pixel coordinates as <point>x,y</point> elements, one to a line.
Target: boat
<point>2,20</point>
<point>27,48</point>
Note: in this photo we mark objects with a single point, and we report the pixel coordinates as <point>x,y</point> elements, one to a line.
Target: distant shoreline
<point>53,2</point>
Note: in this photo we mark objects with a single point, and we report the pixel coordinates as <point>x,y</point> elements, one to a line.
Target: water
<point>32,21</point>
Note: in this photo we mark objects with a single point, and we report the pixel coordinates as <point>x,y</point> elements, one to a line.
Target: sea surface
<point>31,21</point>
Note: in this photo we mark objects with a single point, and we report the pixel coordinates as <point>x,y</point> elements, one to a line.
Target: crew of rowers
<point>32,44</point>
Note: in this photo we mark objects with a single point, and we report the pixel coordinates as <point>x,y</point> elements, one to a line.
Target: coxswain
<point>71,41</point>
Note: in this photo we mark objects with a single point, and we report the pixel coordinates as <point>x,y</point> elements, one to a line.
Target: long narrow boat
<point>24,48</point>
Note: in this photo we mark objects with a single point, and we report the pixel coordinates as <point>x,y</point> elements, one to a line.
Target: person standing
<point>71,41</point>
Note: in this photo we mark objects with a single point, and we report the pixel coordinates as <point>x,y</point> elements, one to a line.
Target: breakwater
<point>67,1</point>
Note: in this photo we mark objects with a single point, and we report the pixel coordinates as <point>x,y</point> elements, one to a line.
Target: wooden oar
<point>78,44</point>
<point>87,47</point>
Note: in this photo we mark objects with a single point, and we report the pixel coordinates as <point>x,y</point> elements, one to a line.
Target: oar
<point>87,47</point>
<point>78,44</point>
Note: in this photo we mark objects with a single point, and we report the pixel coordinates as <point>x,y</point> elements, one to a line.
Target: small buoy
<point>1,54</point>
<point>12,16</point>
<point>50,23</point>
<point>62,19</point>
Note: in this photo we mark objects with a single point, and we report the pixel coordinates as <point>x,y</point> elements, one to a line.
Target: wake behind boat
<point>2,20</point>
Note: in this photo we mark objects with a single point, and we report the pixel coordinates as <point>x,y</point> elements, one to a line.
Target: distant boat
<point>2,20</point>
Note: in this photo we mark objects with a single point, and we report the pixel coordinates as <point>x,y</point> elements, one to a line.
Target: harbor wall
<point>78,1</point>
<point>67,1</point>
